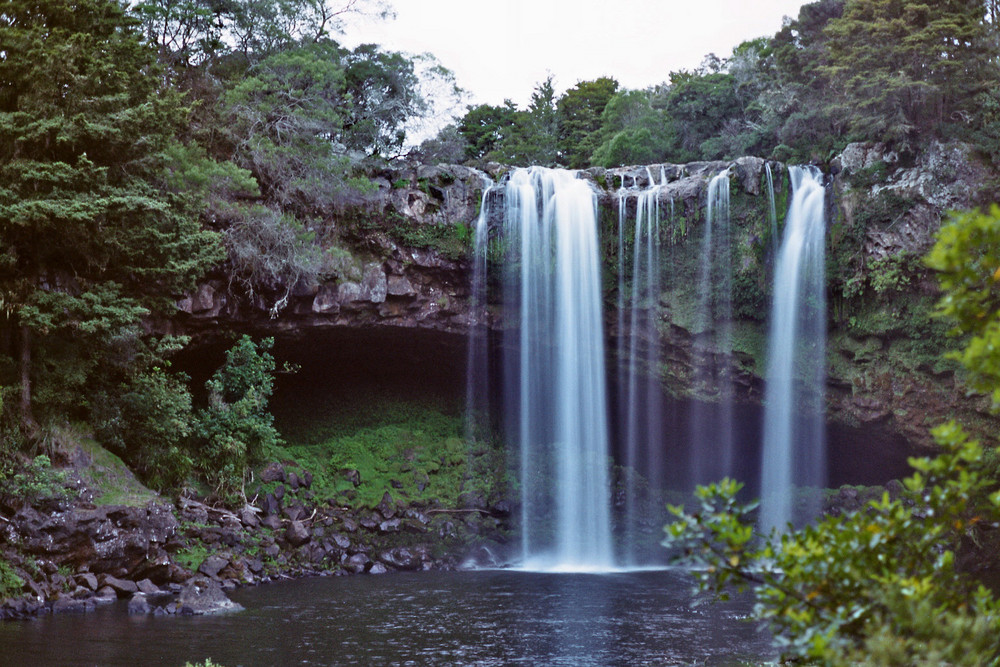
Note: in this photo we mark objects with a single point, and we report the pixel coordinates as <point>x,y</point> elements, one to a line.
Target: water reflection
<point>481,618</point>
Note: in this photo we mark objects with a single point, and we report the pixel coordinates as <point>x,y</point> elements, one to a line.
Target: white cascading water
<point>477,380</point>
<point>642,418</point>
<point>551,222</point>
<point>773,244</point>
<point>794,443</point>
<point>712,430</point>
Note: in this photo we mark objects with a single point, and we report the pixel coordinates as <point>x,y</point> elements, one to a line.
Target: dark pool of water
<point>467,618</point>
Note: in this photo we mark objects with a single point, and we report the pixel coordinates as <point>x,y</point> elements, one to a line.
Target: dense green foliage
<point>897,71</point>
<point>236,429</point>
<point>967,259</point>
<point>143,146</point>
<point>90,244</point>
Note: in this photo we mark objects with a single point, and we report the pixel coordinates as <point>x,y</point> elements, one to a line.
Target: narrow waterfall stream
<point>794,451</point>
<point>640,360</point>
<point>712,430</point>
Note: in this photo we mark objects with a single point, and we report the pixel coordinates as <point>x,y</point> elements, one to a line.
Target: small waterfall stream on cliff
<point>712,431</point>
<point>550,224</point>
<point>477,381</point>
<point>794,451</point>
<point>639,359</point>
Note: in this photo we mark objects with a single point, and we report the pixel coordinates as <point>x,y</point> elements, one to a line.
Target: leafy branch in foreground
<point>879,585</point>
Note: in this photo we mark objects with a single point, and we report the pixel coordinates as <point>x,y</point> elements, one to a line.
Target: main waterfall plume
<point>557,363</point>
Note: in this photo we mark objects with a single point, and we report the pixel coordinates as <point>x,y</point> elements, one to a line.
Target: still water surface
<point>467,618</point>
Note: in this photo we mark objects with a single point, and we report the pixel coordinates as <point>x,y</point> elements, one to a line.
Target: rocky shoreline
<point>181,557</point>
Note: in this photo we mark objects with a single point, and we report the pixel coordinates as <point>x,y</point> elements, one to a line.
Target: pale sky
<point>501,49</point>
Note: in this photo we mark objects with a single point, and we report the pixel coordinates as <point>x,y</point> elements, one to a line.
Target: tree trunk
<point>28,423</point>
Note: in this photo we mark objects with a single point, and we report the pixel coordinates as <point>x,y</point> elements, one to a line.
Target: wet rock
<point>139,605</point>
<point>357,563</point>
<point>472,500</point>
<point>204,596</point>
<point>272,521</point>
<point>307,479</point>
<point>342,541</point>
<point>292,480</point>
<point>87,579</point>
<point>105,595</point>
<point>122,587</point>
<point>69,605</point>
<point>279,492</point>
<point>403,558</point>
<point>377,568</point>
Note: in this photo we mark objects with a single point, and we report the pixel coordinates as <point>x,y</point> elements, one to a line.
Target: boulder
<point>357,563</point>
<point>212,565</point>
<point>272,472</point>
<point>297,534</point>
<point>87,579</point>
<point>121,587</point>
<point>387,506</point>
<point>248,516</point>
<point>403,558</point>
<point>204,596</point>
<point>69,605</point>
<point>139,605</point>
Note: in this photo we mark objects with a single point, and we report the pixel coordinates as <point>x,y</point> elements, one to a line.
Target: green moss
<point>111,480</point>
<point>192,556</point>
<point>414,450</point>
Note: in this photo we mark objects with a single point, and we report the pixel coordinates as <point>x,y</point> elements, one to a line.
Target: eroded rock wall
<point>401,260</point>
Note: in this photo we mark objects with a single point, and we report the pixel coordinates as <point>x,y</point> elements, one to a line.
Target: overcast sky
<point>501,49</point>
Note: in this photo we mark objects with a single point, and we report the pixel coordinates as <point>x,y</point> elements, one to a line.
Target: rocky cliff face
<point>400,261</point>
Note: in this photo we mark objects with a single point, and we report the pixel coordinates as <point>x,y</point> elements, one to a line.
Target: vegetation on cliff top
<point>896,71</point>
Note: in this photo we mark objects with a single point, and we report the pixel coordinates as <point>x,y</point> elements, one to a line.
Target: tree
<point>580,110</point>
<point>535,139</point>
<point>236,429</point>
<point>632,132</point>
<point>906,67</point>
<point>486,128</point>
<point>89,245</point>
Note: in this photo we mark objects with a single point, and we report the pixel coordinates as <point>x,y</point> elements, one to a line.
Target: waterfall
<point>712,435</point>
<point>773,244</point>
<point>477,382</point>
<point>643,420</point>
<point>794,448</point>
<point>550,219</point>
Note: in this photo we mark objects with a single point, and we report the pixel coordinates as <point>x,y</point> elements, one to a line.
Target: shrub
<point>851,583</point>
<point>236,428</point>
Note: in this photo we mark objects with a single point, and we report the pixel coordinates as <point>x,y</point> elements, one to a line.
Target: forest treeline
<point>897,71</point>
<point>144,145</point>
